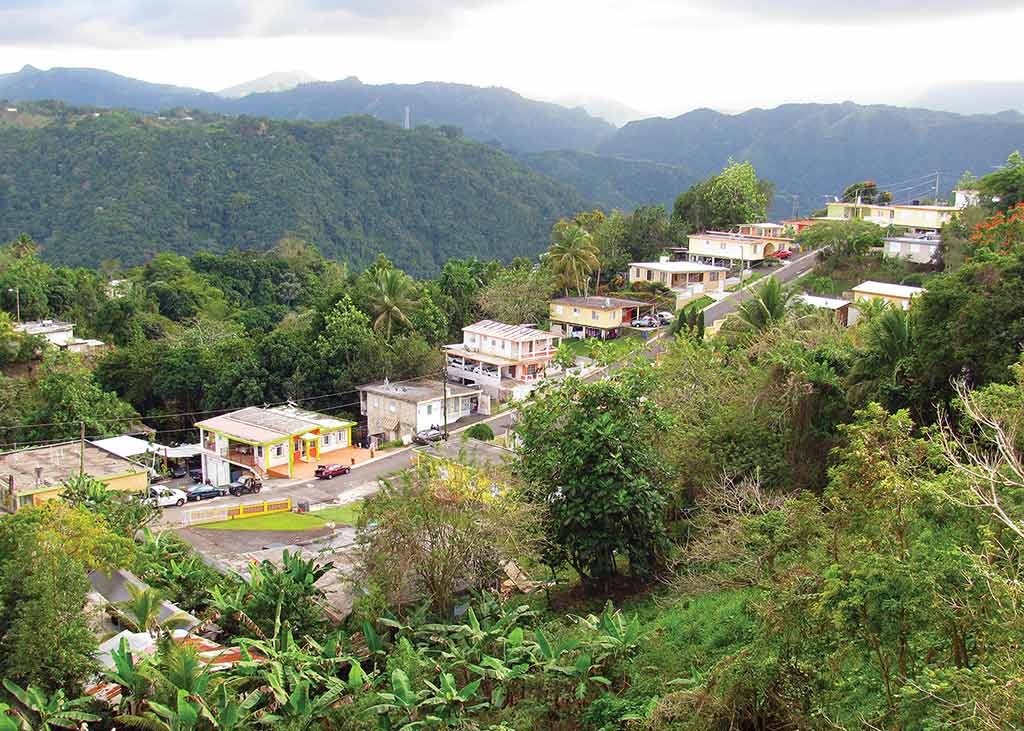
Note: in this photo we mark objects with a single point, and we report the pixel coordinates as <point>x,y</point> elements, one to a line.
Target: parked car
<point>665,317</point>
<point>428,435</point>
<point>196,475</point>
<point>178,471</point>
<point>205,492</point>
<point>164,497</point>
<point>783,254</point>
<point>246,486</point>
<point>645,321</point>
<point>330,471</point>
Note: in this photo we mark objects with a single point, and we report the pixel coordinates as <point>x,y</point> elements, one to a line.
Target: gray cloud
<point>866,12</point>
<point>131,23</point>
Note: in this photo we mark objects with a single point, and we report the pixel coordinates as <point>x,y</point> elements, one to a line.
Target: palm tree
<point>392,299</point>
<point>767,307</point>
<point>573,256</point>
<point>888,339</point>
<point>142,612</point>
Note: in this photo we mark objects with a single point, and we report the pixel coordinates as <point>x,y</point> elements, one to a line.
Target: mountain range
<point>277,81</point>
<point>562,156</point>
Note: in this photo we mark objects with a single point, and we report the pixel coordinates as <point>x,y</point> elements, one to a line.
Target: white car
<point>665,317</point>
<point>164,497</point>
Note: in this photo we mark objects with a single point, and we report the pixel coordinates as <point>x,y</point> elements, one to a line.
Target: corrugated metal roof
<point>494,329</point>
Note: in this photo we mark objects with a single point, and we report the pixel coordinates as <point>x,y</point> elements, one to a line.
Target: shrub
<point>483,432</point>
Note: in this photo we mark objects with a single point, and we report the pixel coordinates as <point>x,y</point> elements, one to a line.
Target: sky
<point>656,56</point>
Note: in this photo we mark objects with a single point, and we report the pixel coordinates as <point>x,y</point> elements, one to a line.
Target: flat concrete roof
<point>599,303</point>
<point>61,462</point>
<point>887,290</point>
<point>464,450</point>
<point>418,391</point>
<point>494,329</point>
<point>677,267</point>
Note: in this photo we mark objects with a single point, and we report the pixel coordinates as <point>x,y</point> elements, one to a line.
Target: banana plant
<point>301,711</point>
<point>449,702</point>
<point>38,711</point>
<point>615,637</point>
<point>228,712</point>
<point>402,700</point>
<point>126,673</point>
<point>7,720</point>
<point>184,716</point>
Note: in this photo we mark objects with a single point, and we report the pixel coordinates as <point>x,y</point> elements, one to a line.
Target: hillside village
<point>670,474</point>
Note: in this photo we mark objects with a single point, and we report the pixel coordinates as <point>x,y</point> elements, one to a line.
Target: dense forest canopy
<point>90,186</point>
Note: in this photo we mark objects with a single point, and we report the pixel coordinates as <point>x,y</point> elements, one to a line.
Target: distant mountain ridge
<point>815,150</point>
<point>974,97</point>
<point>492,115</point>
<point>277,81</point>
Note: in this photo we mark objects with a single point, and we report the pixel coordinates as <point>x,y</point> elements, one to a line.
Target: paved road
<point>793,269</point>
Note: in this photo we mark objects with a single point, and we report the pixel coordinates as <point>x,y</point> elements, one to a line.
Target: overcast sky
<point>658,56</point>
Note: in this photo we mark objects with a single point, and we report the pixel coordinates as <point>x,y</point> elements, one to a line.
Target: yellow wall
<point>131,482</point>
<point>585,315</point>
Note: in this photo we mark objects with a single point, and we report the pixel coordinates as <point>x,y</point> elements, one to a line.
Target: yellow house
<point>283,441</point>
<point>34,475</point>
<point>898,295</point>
<point>592,317</point>
<point>918,218</point>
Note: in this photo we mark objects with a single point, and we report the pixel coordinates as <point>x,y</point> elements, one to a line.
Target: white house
<point>919,248</point>
<point>400,410</point>
<point>59,334</point>
<point>505,361</point>
<point>898,295</point>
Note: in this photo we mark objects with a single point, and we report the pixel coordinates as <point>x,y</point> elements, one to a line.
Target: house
<point>505,361</point>
<point>283,441</point>
<point>688,279</point>
<point>839,308</point>
<point>919,248</point>
<point>762,230</point>
<point>898,295</point>
<point>592,317</point>
<point>966,197</point>
<point>916,218</point>
<point>735,249</point>
<point>59,334</point>
<point>797,225</point>
<point>118,288</point>
<point>34,475</point>
<point>401,410</point>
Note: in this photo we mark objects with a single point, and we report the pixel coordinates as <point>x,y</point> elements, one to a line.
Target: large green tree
<point>588,456</point>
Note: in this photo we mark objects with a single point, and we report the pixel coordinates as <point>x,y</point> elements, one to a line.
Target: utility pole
<point>937,174</point>
<point>796,205</point>
<point>81,448</point>
<point>444,399</point>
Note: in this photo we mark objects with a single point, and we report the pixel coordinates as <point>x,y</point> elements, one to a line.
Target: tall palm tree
<point>767,307</point>
<point>392,299</point>
<point>573,256</point>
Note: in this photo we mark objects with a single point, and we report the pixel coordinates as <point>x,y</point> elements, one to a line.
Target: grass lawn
<point>754,276</point>
<point>619,346</point>
<point>342,515</point>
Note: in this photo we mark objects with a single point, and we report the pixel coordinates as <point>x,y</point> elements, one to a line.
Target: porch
<point>304,469</point>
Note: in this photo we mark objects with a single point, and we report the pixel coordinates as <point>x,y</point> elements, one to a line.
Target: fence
<point>236,512</point>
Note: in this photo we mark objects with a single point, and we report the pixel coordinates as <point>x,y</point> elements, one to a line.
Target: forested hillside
<point>115,185</point>
<point>813,150</point>
<point>612,181</point>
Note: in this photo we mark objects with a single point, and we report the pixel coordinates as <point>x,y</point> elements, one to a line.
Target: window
<point>649,274</point>
<point>259,452</point>
<point>713,276</point>
<point>278,450</point>
<point>430,409</point>
<point>558,309</point>
<point>594,315</point>
<point>391,406</point>
<point>325,440</point>
<point>575,310</point>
